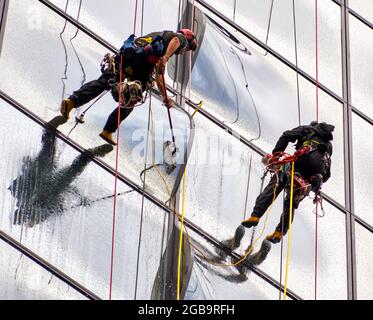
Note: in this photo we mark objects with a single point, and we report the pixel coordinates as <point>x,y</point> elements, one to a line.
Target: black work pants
<point>270,193</point>
<point>93,89</point>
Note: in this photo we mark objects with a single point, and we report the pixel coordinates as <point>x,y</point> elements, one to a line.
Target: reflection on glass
<point>361,52</point>
<point>114,20</point>
<point>362,152</point>
<point>272,22</point>
<point>212,280</point>
<point>23,279</point>
<point>364,263</point>
<point>331,259</point>
<point>63,206</point>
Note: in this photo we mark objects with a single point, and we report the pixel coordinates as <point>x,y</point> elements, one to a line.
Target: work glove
<point>269,159</point>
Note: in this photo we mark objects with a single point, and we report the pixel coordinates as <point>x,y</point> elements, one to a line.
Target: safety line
<point>296,60</point>
<point>143,197</point>
<point>247,187</point>
<point>289,231</point>
<point>317,119</point>
<point>135,19</point>
<point>282,244</point>
<point>145,160</point>
<point>116,168</point>
<point>115,183</point>
<point>269,25</point>
<point>181,237</point>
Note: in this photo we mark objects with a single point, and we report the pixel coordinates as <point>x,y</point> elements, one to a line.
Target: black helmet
<point>323,129</point>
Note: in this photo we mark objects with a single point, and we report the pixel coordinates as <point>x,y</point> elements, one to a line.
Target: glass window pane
<point>59,204</point>
<point>331,262</point>
<point>363,8</point>
<point>216,282</point>
<point>256,17</point>
<point>361,52</point>
<point>23,279</point>
<point>364,263</point>
<point>51,74</point>
<point>362,152</point>
<point>114,20</point>
<point>256,95</point>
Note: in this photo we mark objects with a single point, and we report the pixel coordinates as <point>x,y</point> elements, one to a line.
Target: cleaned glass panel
<point>364,263</point>
<point>256,95</point>
<point>23,279</point>
<point>362,152</point>
<point>331,261</point>
<point>361,52</point>
<point>51,74</point>
<point>114,20</point>
<point>276,28</point>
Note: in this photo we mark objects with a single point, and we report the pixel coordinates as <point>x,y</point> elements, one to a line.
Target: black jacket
<point>316,161</point>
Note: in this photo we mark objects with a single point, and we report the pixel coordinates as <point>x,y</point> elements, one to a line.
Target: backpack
<point>151,48</point>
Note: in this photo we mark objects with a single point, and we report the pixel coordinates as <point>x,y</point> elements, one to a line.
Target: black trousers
<point>270,193</point>
<point>93,89</point>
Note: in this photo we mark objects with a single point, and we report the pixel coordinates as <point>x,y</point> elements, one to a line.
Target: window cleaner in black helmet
<point>312,163</point>
<point>141,57</point>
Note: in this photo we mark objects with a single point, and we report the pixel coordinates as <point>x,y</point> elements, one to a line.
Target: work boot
<point>107,136</point>
<point>66,107</point>
<point>252,221</point>
<point>275,237</point>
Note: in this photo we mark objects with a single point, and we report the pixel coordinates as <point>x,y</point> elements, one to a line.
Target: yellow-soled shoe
<point>275,237</point>
<point>66,107</point>
<point>107,136</point>
<point>252,221</point>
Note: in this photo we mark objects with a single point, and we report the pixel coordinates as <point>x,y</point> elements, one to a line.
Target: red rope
<point>116,164</point>
<point>317,118</point>
<point>135,20</point>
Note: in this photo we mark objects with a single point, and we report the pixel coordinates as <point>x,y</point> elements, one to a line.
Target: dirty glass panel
<point>23,279</point>
<point>211,280</point>
<point>361,52</point>
<point>362,156</point>
<point>60,205</point>
<point>364,263</point>
<point>52,74</point>
<point>257,96</point>
<point>224,181</point>
<point>331,252</point>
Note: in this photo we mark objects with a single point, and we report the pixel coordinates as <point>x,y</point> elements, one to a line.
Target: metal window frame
<point>348,154</point>
<point>3,14</point>
<point>348,110</point>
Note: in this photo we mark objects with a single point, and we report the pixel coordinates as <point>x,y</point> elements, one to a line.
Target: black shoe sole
<point>249,224</point>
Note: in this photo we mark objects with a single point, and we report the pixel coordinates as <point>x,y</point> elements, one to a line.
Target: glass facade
<point>278,71</point>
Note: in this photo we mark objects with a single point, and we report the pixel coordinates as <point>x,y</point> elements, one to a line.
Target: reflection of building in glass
<point>256,72</point>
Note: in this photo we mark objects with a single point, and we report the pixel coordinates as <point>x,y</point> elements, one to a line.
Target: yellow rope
<point>181,236</point>
<point>289,236</point>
